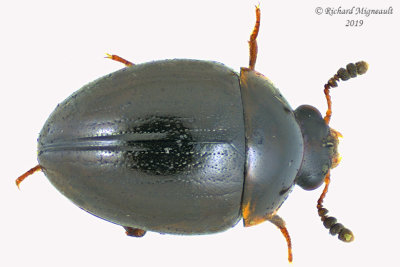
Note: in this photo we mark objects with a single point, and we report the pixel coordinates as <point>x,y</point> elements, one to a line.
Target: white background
<point>50,49</point>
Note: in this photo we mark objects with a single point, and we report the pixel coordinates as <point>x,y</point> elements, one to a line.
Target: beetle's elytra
<point>189,147</point>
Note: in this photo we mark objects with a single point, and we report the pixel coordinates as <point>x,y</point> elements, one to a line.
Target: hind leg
<point>135,232</point>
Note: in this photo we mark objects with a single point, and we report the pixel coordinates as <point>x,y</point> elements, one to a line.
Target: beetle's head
<point>320,147</point>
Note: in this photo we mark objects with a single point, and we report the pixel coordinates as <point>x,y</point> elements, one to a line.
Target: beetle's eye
<point>329,144</point>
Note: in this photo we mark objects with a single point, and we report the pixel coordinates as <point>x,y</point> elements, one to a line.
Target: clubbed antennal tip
<point>331,222</point>
<point>351,71</point>
<point>362,67</point>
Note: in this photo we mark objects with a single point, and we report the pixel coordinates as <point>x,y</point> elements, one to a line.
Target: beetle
<point>189,147</point>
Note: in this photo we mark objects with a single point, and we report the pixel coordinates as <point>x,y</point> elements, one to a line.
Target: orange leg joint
<point>253,40</point>
<point>28,173</point>
<point>120,59</point>
<point>280,223</point>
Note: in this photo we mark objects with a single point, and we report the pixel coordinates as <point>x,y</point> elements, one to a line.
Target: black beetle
<point>189,147</point>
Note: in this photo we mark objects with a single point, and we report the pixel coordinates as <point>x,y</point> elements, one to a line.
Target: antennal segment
<point>331,222</point>
<point>351,71</point>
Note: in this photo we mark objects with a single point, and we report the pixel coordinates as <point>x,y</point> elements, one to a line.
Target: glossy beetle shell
<point>176,146</point>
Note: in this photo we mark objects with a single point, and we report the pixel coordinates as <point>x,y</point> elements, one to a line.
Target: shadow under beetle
<point>189,147</point>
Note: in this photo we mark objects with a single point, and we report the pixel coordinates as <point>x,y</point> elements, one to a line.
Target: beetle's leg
<point>136,232</point>
<point>351,71</point>
<point>30,172</point>
<point>120,59</point>
<point>253,40</point>
<point>331,222</point>
<point>280,223</point>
